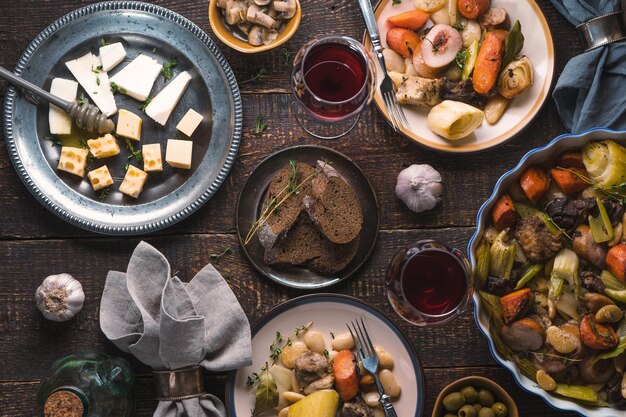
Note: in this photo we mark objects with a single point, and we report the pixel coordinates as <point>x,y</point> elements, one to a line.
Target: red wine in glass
<point>429,283</point>
<point>335,76</point>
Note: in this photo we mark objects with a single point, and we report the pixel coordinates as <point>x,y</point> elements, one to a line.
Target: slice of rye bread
<point>333,206</point>
<point>306,246</point>
<point>278,224</point>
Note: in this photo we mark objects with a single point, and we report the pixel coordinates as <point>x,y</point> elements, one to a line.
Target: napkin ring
<point>602,30</point>
<point>178,384</point>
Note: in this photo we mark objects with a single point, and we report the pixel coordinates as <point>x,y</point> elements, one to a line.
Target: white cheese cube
<point>133,183</point>
<point>163,104</point>
<point>190,122</point>
<point>97,85</point>
<point>111,55</point>
<point>138,77</point>
<point>152,160</point>
<point>100,178</point>
<point>73,160</point>
<point>178,153</point>
<point>129,125</point>
<point>104,147</point>
<point>60,122</point>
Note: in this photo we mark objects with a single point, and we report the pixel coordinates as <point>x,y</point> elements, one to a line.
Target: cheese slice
<point>96,84</point>
<point>129,125</point>
<point>100,178</point>
<point>111,55</point>
<point>59,121</point>
<point>178,153</point>
<point>152,157</point>
<point>190,122</point>
<point>133,183</point>
<point>163,104</point>
<point>138,77</point>
<point>73,160</point>
<point>104,147</point>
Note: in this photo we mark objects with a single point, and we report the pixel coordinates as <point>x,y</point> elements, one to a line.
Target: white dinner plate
<point>538,47</point>
<point>330,313</point>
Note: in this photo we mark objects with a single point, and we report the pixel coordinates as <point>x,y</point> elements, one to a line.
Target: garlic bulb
<point>60,297</point>
<point>419,186</point>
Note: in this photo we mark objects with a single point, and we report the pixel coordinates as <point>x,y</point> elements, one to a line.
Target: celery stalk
<point>601,228</point>
<point>610,281</point>
<point>577,392</point>
<point>482,263</point>
<point>529,274</point>
<point>566,268</point>
<point>501,256</point>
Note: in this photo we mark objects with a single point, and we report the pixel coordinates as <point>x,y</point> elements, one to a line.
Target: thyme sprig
<point>287,55</point>
<point>54,141</point>
<point>260,75</point>
<point>616,192</point>
<point>272,204</point>
<point>145,104</point>
<point>134,153</point>
<point>260,125</point>
<point>104,194</point>
<point>115,88</point>
<point>216,256</point>
<point>166,71</point>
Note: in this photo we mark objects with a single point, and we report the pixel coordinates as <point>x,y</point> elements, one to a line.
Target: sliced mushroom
<point>271,36</point>
<point>262,2</point>
<point>221,4</point>
<point>257,35</point>
<point>235,11</point>
<point>256,15</point>
<point>286,7</point>
<point>244,27</point>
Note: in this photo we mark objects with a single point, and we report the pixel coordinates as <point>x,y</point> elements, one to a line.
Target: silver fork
<point>369,360</point>
<point>398,120</point>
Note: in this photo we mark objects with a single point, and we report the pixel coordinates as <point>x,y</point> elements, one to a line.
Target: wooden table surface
<point>34,243</point>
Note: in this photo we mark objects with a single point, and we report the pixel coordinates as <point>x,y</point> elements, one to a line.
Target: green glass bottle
<point>87,385</point>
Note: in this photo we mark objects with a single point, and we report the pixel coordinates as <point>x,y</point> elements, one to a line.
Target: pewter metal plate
<point>168,197</point>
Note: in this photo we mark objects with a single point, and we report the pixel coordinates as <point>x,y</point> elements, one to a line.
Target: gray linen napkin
<point>591,91</point>
<point>169,324</point>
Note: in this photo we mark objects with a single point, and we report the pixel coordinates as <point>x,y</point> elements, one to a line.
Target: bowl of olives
<point>474,396</point>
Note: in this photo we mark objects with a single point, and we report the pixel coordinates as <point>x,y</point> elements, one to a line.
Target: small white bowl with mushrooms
<point>252,26</point>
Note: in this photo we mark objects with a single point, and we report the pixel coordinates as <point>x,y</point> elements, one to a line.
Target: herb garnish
<point>98,80</point>
<point>260,75</point>
<point>97,70</point>
<point>459,25</point>
<point>460,58</point>
<point>104,194</point>
<point>116,88</point>
<point>145,104</point>
<point>134,153</point>
<point>82,99</point>
<point>55,141</point>
<point>287,55</point>
<point>260,125</point>
<point>216,256</point>
<point>615,192</point>
<point>166,71</point>
<point>103,42</point>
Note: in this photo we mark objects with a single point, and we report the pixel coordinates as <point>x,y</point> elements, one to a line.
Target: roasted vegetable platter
<point>549,260</point>
<point>435,56</point>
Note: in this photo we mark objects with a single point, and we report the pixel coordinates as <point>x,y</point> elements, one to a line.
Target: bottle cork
<point>63,404</point>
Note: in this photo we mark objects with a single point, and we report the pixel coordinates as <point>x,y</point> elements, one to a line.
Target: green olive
<point>467,411</point>
<point>485,398</point>
<point>452,402</point>
<point>477,407</point>
<point>486,412</point>
<point>470,394</point>
<point>500,409</point>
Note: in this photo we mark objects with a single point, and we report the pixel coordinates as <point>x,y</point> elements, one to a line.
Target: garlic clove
<point>60,297</point>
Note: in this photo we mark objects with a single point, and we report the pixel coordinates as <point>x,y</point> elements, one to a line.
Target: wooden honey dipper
<point>85,116</point>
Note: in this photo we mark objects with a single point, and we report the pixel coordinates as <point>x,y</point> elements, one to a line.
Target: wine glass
<point>332,80</point>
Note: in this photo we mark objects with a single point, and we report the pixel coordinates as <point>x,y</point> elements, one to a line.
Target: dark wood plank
<point>16,398</point>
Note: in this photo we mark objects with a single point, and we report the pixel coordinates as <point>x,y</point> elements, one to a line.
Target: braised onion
<point>515,78</point>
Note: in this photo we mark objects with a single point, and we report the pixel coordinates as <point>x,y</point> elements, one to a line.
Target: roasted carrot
<point>516,304</point>
<point>504,213</point>
<point>488,63</point>
<point>595,335</point>
<point>616,261</point>
<point>568,181</point>
<point>346,379</point>
<point>570,159</point>
<point>403,41</point>
<point>413,19</point>
<point>535,182</point>
<point>473,9</point>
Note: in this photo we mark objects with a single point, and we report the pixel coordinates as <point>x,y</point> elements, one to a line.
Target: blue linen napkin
<point>591,91</point>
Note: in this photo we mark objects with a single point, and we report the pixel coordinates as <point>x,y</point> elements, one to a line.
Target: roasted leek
<point>566,268</point>
<point>529,274</point>
<point>515,78</point>
<point>601,228</point>
<point>482,263</point>
<point>606,163</point>
<point>454,120</point>
<point>502,256</point>
<point>470,60</point>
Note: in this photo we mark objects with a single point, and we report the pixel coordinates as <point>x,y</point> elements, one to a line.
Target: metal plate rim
<point>73,218</point>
